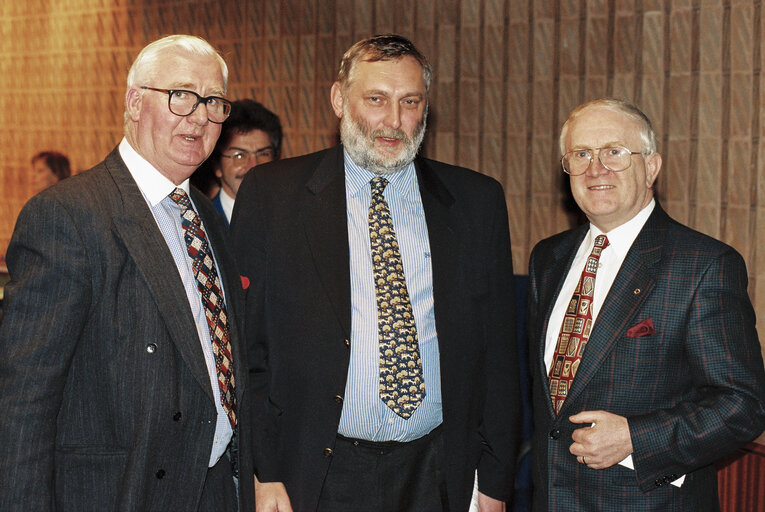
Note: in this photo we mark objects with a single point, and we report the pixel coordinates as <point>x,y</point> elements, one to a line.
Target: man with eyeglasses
<point>644,354</point>
<point>252,135</point>
<point>122,374</point>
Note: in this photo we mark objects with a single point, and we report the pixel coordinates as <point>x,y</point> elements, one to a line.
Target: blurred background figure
<point>252,135</point>
<point>49,167</point>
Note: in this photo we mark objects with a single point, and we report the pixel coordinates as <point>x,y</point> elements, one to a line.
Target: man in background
<point>380,311</point>
<point>252,135</point>
<point>122,376</point>
<point>644,354</point>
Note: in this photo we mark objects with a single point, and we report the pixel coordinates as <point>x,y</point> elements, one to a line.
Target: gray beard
<point>358,141</point>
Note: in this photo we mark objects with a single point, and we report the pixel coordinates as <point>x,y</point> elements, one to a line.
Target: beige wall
<point>507,73</point>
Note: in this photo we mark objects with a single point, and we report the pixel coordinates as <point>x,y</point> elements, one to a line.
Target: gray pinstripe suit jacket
<point>693,391</point>
<point>105,397</point>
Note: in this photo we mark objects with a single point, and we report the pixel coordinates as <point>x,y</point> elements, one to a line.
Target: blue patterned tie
<point>402,386</point>
<point>209,286</point>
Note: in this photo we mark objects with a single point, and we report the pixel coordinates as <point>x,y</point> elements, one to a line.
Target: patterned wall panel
<point>507,72</point>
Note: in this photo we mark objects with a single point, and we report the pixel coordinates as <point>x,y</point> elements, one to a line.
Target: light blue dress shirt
<point>364,415</point>
<point>155,189</point>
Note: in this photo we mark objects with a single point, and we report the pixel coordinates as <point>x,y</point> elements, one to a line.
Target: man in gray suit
<point>122,379</point>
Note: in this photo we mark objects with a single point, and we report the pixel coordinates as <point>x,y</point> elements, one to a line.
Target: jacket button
<point>338,399</point>
<point>328,452</point>
<point>160,474</point>
<point>151,348</point>
<point>555,434</point>
<point>177,416</point>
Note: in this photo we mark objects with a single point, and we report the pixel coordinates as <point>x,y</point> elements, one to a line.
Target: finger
<point>584,417</point>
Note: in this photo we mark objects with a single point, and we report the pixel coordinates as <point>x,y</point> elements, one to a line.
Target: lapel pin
<point>636,291</point>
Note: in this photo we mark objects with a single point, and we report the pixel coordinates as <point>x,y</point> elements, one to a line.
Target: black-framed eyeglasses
<point>183,103</point>
<point>262,155</point>
<point>613,158</point>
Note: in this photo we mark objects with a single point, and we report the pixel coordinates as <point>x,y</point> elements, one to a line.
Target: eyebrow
<point>190,87</point>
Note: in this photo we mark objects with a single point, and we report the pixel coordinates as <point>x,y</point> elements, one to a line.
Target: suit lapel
<point>138,230</point>
<point>555,269</point>
<point>326,228</point>
<point>631,286</point>
<point>444,243</point>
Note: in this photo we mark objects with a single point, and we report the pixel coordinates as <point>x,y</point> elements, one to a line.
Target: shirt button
<point>328,452</point>
<point>390,420</point>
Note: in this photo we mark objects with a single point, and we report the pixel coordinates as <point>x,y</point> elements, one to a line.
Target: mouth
<point>600,187</point>
<point>190,138</point>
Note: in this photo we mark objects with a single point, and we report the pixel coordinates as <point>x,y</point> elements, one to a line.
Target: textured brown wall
<point>507,73</point>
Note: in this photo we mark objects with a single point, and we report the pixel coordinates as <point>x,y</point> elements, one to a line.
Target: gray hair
<point>630,110</point>
<point>381,47</point>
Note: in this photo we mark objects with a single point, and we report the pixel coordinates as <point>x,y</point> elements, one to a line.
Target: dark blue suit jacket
<point>219,206</point>
<point>693,391</point>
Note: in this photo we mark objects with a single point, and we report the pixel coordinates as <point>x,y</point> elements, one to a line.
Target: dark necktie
<point>575,331</point>
<point>210,289</point>
<point>402,386</point>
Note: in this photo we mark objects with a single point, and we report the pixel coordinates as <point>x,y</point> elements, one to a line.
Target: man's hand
<point>271,497</point>
<point>487,504</point>
<point>605,443</point>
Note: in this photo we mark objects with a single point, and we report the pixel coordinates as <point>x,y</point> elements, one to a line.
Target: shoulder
<point>456,176</point>
<point>682,240</point>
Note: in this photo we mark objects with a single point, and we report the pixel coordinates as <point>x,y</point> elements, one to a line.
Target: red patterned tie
<point>575,331</point>
<point>209,286</point>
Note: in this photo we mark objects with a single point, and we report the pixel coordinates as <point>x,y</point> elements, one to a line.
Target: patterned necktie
<point>402,386</point>
<point>210,289</point>
<point>575,331</point>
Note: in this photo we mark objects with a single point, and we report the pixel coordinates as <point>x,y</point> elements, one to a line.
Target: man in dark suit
<point>644,354</point>
<point>380,311</point>
<point>252,135</point>
<point>122,378</point>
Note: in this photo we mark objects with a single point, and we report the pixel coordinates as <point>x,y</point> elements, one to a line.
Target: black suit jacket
<point>291,239</point>
<point>104,392</point>
<point>692,387</point>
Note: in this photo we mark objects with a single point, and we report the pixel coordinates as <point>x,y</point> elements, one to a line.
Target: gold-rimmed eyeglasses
<point>613,158</point>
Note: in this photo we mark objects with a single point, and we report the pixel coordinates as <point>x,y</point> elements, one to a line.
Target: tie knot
<point>180,197</point>
<point>601,241</point>
<point>378,184</point>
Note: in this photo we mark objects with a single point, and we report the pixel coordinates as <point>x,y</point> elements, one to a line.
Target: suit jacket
<point>106,399</point>
<point>219,206</point>
<point>291,239</point>
<point>692,389</point>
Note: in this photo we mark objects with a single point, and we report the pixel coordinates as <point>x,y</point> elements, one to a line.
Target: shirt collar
<point>621,238</point>
<point>153,185</point>
<point>357,178</point>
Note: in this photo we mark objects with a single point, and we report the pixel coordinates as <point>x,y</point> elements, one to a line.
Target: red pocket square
<point>246,283</point>
<point>644,328</point>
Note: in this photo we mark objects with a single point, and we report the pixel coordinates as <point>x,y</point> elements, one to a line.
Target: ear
<point>133,99</point>
<point>652,168</point>
<point>218,172</point>
<point>336,99</point>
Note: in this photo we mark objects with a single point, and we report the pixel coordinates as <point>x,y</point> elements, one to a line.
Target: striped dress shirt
<point>364,415</point>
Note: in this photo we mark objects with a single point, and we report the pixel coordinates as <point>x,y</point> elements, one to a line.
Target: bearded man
<point>379,312</point>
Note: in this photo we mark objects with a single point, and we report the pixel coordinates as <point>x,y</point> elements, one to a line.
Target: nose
<point>596,167</point>
<point>393,117</point>
<point>199,116</point>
